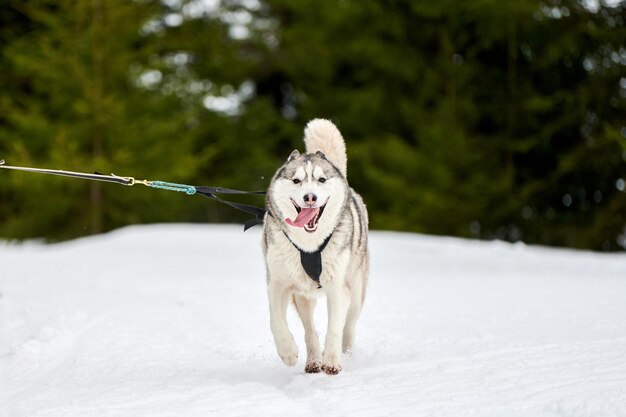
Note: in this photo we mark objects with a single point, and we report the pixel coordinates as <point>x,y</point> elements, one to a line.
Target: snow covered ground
<point>172,320</point>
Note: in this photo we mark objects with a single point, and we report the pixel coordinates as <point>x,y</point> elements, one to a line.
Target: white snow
<point>172,320</point>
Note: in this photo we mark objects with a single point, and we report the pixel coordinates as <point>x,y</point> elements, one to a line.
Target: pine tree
<point>474,118</point>
<point>83,102</point>
<point>485,118</point>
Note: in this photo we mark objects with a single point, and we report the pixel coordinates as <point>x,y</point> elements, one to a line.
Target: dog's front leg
<point>338,300</point>
<point>279,295</point>
<point>305,307</point>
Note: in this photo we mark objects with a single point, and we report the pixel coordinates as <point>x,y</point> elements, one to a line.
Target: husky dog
<point>315,243</point>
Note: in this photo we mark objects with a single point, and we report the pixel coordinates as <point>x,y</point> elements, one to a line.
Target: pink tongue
<point>305,216</point>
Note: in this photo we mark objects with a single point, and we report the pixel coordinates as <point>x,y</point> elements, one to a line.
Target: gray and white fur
<point>315,182</point>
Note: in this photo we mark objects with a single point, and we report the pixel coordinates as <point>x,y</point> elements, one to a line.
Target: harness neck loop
<point>312,261</point>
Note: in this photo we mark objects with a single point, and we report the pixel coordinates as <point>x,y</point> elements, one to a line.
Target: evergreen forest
<point>486,119</point>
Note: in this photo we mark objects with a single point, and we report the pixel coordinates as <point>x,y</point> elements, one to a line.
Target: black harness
<point>312,261</point>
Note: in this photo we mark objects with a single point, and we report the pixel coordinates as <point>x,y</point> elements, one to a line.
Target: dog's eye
<point>296,181</point>
<point>322,180</point>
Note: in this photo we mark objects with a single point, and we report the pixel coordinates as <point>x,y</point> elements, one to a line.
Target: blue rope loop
<point>172,186</point>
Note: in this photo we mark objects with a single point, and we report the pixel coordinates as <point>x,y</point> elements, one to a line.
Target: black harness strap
<point>312,261</point>
<point>257,212</point>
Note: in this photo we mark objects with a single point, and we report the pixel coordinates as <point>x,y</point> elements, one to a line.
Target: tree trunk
<point>97,138</point>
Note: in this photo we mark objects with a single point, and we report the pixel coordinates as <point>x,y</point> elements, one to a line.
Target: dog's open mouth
<point>308,217</point>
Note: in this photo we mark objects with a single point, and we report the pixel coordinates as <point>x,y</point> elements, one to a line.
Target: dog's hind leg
<point>356,305</point>
<point>279,296</point>
<point>305,307</point>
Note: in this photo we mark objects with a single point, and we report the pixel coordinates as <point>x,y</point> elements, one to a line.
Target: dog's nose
<point>310,199</point>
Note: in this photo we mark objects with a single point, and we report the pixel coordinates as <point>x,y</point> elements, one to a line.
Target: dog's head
<point>308,193</point>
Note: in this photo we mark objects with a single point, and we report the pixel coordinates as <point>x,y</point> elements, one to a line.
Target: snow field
<point>172,320</point>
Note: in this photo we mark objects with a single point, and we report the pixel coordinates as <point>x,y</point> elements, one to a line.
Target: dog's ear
<point>320,154</point>
<point>293,155</point>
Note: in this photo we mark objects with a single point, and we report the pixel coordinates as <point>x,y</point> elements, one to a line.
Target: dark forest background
<point>478,118</point>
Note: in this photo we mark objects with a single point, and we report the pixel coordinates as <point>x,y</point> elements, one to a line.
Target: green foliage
<point>482,118</point>
<point>68,102</point>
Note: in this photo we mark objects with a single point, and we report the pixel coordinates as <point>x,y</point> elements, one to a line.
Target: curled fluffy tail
<point>322,135</point>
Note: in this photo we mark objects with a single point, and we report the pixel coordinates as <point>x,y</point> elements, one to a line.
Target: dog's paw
<point>290,360</point>
<point>331,370</point>
<point>313,368</point>
<point>288,352</point>
<point>331,364</point>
